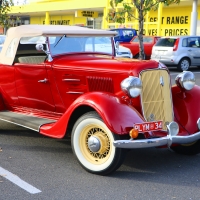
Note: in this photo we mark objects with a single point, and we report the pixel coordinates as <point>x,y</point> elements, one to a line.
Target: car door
<point>148,44</point>
<point>193,50</point>
<point>33,86</point>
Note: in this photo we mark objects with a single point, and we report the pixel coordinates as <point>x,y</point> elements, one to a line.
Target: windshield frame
<point>80,44</point>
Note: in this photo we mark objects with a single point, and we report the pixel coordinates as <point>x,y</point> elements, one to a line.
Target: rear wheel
<point>92,143</point>
<point>137,56</point>
<point>184,64</point>
<point>188,149</point>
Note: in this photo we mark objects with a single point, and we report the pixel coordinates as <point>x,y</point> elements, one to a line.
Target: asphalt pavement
<point>35,167</point>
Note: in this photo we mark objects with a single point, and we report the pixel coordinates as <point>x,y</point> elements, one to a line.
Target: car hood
<point>100,62</point>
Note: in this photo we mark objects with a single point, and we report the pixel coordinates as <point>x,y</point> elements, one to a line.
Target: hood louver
<point>100,84</point>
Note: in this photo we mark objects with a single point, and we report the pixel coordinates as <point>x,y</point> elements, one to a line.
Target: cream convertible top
<point>14,35</point>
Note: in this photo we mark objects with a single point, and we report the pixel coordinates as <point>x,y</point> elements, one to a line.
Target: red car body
<point>148,42</point>
<point>54,80</point>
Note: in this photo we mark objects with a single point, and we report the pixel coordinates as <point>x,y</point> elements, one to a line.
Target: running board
<point>26,121</point>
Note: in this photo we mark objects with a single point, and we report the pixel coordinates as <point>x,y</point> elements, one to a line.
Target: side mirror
<point>39,47</point>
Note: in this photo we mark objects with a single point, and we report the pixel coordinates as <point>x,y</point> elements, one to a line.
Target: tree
<point>5,7</point>
<point>142,7</point>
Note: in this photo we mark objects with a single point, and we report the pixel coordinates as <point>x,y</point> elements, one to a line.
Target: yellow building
<point>171,20</point>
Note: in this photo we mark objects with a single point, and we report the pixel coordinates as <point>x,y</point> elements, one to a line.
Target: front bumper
<point>156,142</point>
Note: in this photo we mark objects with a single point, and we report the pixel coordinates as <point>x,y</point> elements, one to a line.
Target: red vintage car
<point>148,42</point>
<point>56,80</point>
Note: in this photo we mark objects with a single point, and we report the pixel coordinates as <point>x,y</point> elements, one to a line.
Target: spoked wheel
<point>188,149</point>
<point>184,64</point>
<point>92,143</point>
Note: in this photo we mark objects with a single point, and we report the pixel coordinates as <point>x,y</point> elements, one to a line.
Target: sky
<point>19,2</point>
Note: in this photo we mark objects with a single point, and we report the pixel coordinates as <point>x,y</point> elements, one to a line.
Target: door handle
<point>43,81</point>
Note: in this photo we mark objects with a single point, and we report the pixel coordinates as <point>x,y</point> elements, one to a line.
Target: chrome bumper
<point>156,142</point>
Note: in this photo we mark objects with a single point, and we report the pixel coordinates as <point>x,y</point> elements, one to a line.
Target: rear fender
<point>117,115</point>
<point>187,107</point>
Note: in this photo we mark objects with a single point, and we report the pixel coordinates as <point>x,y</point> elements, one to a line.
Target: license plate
<point>149,126</point>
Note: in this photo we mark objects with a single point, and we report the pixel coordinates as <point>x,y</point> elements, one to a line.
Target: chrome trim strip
<point>156,142</point>
<point>20,125</point>
<point>134,144</point>
<point>43,81</point>
<point>70,92</point>
<point>68,79</point>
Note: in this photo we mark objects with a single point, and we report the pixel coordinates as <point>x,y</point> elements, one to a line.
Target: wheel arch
<point>185,57</point>
<point>120,121</point>
<point>116,114</point>
<point>76,114</point>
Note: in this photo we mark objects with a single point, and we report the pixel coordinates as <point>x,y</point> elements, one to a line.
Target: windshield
<point>166,42</point>
<point>64,44</point>
<point>145,39</point>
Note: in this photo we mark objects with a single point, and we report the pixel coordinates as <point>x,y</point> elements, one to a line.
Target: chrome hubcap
<point>94,144</point>
<point>185,65</point>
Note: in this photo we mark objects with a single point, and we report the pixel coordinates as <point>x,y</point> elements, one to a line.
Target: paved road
<point>46,169</point>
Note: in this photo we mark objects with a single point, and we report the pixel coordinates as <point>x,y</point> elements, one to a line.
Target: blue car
<point>124,34</point>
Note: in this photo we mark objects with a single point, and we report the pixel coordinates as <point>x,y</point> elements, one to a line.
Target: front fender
<point>187,107</point>
<point>117,115</point>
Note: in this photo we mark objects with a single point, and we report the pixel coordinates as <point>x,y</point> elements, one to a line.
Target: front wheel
<point>188,149</point>
<point>184,64</point>
<point>92,143</point>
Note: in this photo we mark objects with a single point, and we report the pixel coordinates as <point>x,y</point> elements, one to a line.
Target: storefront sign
<point>171,20</point>
<point>59,22</point>
<point>175,20</point>
<point>170,25</point>
<point>81,13</point>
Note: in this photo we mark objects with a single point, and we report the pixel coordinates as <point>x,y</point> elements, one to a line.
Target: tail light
<point>176,45</point>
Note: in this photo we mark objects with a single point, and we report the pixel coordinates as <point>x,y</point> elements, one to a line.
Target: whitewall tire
<point>92,143</point>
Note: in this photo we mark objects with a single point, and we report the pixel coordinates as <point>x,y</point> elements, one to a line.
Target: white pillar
<point>194,16</point>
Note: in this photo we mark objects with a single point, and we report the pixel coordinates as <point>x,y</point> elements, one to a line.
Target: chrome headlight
<point>198,123</point>
<point>185,80</point>
<point>131,86</point>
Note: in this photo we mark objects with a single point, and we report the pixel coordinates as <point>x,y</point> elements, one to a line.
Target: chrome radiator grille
<point>156,96</point>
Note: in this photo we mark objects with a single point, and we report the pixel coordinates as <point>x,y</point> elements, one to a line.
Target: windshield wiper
<point>59,40</point>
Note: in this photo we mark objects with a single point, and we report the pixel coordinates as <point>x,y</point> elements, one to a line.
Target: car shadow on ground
<point>160,165</point>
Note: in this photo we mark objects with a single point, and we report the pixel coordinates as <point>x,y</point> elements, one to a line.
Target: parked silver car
<point>182,51</point>
<point>2,39</point>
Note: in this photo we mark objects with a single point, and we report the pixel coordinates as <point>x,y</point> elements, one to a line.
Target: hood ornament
<point>161,81</point>
<point>151,117</point>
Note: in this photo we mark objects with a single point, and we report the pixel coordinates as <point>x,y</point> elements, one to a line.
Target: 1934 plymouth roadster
<point>57,80</point>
